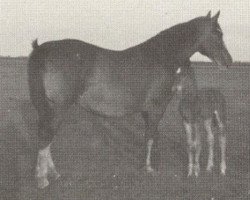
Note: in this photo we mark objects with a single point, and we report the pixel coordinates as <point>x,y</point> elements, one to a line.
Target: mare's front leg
<point>153,112</point>
<point>190,142</point>
<point>151,139</point>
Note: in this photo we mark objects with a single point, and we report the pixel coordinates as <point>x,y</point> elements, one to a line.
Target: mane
<point>174,39</point>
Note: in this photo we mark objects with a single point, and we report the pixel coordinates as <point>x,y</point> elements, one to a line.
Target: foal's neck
<point>190,91</point>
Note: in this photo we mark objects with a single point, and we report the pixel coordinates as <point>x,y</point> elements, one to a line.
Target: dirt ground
<point>100,161</point>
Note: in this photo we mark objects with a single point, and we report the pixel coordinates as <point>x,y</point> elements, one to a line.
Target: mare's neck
<point>175,44</point>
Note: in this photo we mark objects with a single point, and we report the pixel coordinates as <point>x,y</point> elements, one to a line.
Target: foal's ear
<point>209,14</point>
<point>216,16</point>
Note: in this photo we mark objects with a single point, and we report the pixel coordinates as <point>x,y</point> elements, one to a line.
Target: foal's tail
<point>36,68</point>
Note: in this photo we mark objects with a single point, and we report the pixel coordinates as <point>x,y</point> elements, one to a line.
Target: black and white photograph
<point>125,100</point>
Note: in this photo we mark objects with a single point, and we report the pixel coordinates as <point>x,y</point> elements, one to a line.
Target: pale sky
<point>115,24</point>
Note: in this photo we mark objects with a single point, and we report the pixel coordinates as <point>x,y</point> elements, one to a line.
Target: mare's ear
<point>216,16</point>
<point>209,14</point>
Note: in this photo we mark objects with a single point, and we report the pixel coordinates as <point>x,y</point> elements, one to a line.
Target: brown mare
<point>115,83</point>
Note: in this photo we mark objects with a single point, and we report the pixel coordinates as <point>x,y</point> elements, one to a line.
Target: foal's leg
<point>188,129</point>
<point>45,163</point>
<point>197,144</point>
<point>210,140</point>
<point>222,141</point>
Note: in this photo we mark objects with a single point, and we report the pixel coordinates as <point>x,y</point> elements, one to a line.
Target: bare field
<point>101,160</point>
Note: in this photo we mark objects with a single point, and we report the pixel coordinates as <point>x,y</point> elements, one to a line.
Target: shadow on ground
<point>101,160</point>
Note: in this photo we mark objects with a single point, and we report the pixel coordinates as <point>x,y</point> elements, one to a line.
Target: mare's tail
<point>36,69</point>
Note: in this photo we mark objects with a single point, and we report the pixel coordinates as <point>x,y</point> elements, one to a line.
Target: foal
<point>207,106</point>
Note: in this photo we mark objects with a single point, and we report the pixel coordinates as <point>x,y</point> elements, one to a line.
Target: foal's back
<point>202,104</point>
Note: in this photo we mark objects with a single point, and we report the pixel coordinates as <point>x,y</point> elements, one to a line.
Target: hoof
<point>149,169</point>
<point>53,173</point>
<point>197,170</point>
<point>190,173</point>
<point>152,172</point>
<point>223,169</point>
<point>223,172</point>
<point>42,183</point>
<point>209,168</point>
<point>45,168</point>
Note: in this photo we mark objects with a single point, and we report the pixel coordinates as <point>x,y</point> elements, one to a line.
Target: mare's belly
<point>109,100</point>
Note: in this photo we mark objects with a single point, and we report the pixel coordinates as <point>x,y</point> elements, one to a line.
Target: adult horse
<point>115,83</point>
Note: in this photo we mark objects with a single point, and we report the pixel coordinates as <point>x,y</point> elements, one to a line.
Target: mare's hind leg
<point>45,165</point>
<point>151,138</point>
<point>210,140</point>
<point>188,129</point>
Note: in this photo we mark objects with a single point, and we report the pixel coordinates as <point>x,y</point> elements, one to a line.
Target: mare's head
<point>210,42</point>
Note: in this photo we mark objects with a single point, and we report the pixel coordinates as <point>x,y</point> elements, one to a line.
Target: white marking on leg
<point>188,129</point>
<point>223,154</point>
<point>190,161</point>
<point>210,139</point>
<point>220,124</point>
<point>148,160</point>
<point>197,150</point>
<point>44,166</point>
<point>222,140</point>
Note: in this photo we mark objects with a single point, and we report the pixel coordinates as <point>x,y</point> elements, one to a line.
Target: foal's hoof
<point>196,170</point>
<point>223,172</point>
<point>150,169</point>
<point>152,172</point>
<point>210,168</point>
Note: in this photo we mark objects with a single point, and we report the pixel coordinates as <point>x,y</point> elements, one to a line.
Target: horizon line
<point>193,61</point>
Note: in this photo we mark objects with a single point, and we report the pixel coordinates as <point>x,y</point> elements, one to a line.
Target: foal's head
<point>210,42</point>
<point>180,77</point>
<point>184,79</point>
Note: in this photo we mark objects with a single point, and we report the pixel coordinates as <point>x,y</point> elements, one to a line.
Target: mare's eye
<point>217,30</point>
